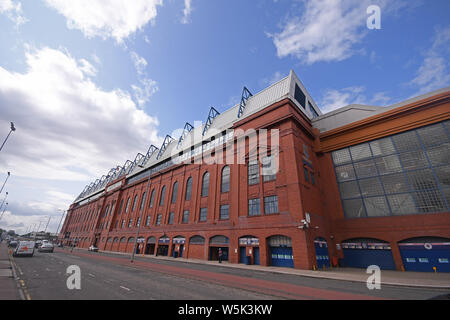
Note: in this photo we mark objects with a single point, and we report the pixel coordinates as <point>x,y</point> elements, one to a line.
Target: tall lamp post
<point>6,196</point>
<point>63,213</point>
<point>12,129</point>
<point>3,211</point>
<point>5,181</point>
<point>140,216</point>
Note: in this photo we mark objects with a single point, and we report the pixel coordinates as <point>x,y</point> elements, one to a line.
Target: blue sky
<point>91,83</point>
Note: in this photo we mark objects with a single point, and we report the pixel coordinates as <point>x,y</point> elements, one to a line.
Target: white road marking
<point>125,288</point>
<point>93,276</point>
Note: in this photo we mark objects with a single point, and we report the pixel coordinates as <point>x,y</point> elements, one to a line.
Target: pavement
<point>8,286</point>
<point>388,277</point>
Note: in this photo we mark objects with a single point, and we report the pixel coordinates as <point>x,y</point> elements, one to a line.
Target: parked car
<point>93,248</point>
<point>24,248</point>
<point>38,244</point>
<point>46,247</point>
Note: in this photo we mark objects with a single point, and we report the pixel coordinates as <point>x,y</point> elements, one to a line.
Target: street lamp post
<point>6,196</point>
<point>12,129</point>
<point>60,220</point>
<point>5,181</point>
<point>140,216</point>
<point>3,211</point>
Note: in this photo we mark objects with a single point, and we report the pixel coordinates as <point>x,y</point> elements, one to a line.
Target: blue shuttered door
<point>322,257</point>
<point>362,258</point>
<point>282,257</point>
<point>425,256</point>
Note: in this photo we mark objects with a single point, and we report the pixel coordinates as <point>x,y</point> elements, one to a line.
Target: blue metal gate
<point>282,257</point>
<point>425,257</point>
<point>361,254</point>
<point>322,256</point>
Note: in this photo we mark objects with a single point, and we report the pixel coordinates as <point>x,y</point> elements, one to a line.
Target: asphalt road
<point>113,277</point>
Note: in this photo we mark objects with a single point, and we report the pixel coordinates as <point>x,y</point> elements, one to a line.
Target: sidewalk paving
<point>8,285</point>
<point>388,277</point>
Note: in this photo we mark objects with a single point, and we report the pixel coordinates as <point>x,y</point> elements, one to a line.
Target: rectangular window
<point>158,219</point>
<point>254,206</point>
<point>313,111</point>
<point>313,178</point>
<point>253,172</point>
<point>224,212</point>
<point>306,172</point>
<point>186,216</point>
<point>147,222</point>
<point>203,214</point>
<point>130,223</point>
<point>123,223</point>
<point>300,96</point>
<point>138,223</point>
<point>268,168</point>
<point>171,216</point>
<point>271,205</point>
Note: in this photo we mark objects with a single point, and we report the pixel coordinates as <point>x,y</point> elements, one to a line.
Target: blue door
<point>282,257</point>
<point>256,255</point>
<point>425,257</point>
<point>322,257</point>
<point>242,255</point>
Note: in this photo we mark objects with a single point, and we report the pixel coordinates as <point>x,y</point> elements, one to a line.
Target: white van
<point>24,248</point>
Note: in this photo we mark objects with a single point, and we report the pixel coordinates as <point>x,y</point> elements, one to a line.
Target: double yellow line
<point>21,285</point>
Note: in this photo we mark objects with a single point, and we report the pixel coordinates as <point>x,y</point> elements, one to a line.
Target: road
<point>112,277</point>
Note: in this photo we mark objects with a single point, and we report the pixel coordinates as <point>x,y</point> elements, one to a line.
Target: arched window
<point>174,192</point>
<point>134,202</point>
<point>163,193</point>
<point>189,189</point>
<point>152,198</point>
<point>143,200</point>
<point>225,187</point>
<point>205,185</point>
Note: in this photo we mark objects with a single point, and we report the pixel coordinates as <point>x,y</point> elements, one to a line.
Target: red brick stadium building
<point>273,181</point>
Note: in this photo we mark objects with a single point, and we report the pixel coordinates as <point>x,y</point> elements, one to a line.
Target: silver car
<point>46,247</point>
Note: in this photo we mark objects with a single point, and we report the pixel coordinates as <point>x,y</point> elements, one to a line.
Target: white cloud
<point>143,92</point>
<point>187,12</point>
<point>139,62</point>
<point>434,72</point>
<point>13,11</point>
<point>334,99</point>
<point>116,19</point>
<point>147,87</point>
<point>87,68</point>
<point>327,30</point>
<point>68,128</point>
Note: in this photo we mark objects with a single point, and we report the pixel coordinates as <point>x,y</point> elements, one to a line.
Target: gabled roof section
<point>246,94</point>
<point>168,139</point>
<point>213,113</point>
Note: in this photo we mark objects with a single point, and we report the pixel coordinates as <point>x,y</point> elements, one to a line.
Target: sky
<point>90,83</point>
